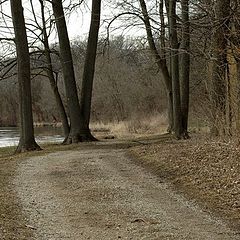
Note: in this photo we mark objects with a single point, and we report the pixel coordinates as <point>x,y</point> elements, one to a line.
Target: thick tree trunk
<point>219,71</point>
<point>236,42</point>
<point>27,140</point>
<point>185,65</point>
<point>229,105</point>
<point>238,96</point>
<point>160,62</point>
<point>177,115</point>
<point>53,83</point>
<point>89,69</point>
<point>164,56</point>
<point>167,6</point>
<point>68,74</point>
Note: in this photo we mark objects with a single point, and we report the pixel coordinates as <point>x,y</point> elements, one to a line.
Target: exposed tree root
<point>27,147</point>
<point>85,136</point>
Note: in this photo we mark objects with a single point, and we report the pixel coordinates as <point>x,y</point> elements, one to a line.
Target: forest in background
<point>127,85</point>
<point>187,49</point>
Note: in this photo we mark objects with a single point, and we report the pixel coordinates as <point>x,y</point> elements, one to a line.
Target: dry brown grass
<point>155,124</point>
<point>204,170</point>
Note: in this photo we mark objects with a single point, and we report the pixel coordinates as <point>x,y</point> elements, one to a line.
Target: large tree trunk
<point>219,71</point>
<point>237,58</point>
<point>164,61</point>
<point>68,74</point>
<point>236,46</point>
<point>160,62</point>
<point>185,65</point>
<point>50,74</point>
<point>27,140</point>
<point>238,97</point>
<point>177,115</point>
<point>89,69</point>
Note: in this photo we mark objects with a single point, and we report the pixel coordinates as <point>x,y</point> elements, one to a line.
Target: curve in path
<point>101,194</point>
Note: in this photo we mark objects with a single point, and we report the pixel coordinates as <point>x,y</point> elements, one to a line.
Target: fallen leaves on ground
<point>206,170</point>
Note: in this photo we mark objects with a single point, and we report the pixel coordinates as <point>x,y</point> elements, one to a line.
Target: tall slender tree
<point>27,141</point>
<point>185,65</point>
<point>235,43</point>
<point>89,69</point>
<point>161,62</point>
<point>75,115</point>
<point>220,65</point>
<point>177,113</point>
<point>50,74</point>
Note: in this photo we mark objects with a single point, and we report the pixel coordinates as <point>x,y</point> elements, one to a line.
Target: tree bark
<point>50,74</point>
<point>238,97</point>
<point>162,29</point>
<point>89,69</point>
<point>76,118</point>
<point>177,115</point>
<point>220,65</point>
<point>27,141</point>
<point>160,62</point>
<point>185,66</point>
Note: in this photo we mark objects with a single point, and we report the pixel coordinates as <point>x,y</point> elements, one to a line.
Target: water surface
<point>9,136</point>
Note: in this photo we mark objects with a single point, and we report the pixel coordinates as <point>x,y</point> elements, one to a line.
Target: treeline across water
<point>127,85</point>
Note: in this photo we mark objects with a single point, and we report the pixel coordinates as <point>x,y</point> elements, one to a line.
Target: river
<point>10,136</point>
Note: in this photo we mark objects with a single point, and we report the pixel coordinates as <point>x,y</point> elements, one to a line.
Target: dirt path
<point>101,194</point>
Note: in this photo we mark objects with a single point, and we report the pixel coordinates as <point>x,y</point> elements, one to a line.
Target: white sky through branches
<point>78,22</point>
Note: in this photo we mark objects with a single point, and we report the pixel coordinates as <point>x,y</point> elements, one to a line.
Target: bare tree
<point>220,65</point>
<point>27,140</point>
<point>75,115</point>
<point>185,65</point>
<point>89,69</point>
<point>177,113</point>
<point>50,74</point>
<point>161,62</point>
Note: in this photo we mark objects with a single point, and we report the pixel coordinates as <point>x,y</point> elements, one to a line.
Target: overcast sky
<point>78,22</point>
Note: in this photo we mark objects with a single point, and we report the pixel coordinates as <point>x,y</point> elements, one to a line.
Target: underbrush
<point>155,124</point>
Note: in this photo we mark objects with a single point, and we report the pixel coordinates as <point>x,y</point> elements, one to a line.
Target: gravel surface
<point>101,194</point>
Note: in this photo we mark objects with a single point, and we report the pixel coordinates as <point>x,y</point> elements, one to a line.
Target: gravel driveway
<point>101,194</point>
